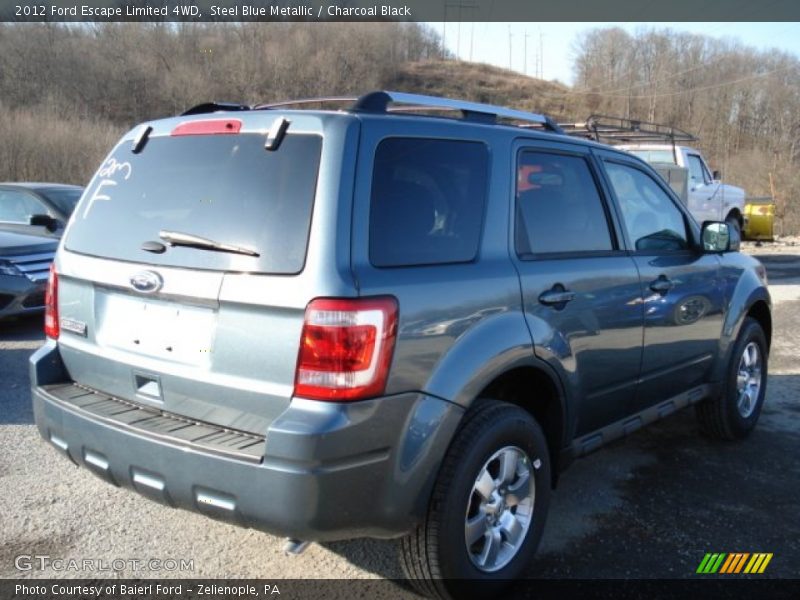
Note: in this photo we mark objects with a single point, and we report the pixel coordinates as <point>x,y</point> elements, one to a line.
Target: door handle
<point>662,285</point>
<point>557,295</point>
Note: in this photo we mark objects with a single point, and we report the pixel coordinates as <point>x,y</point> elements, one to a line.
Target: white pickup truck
<point>684,168</point>
<point>707,198</point>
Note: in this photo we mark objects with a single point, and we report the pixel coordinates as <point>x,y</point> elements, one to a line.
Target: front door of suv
<point>580,289</point>
<point>681,290</point>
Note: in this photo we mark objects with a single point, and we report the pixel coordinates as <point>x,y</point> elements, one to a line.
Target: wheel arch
<point>495,360</point>
<point>536,389</point>
<point>736,214</point>
<point>750,299</point>
<point>760,311</point>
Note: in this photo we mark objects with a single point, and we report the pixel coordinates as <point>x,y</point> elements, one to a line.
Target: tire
<point>435,557</point>
<point>734,413</point>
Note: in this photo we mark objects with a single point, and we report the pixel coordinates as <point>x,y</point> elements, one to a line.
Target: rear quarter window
<point>427,202</point>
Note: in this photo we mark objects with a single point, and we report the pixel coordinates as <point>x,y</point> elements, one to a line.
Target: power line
<point>676,93</point>
<point>661,79</point>
<point>705,37</point>
<point>715,85</point>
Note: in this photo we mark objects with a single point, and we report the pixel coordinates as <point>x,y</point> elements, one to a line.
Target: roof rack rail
<point>210,107</point>
<point>323,100</point>
<point>619,130</point>
<point>378,102</point>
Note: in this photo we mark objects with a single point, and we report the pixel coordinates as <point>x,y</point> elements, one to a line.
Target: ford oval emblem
<point>146,282</point>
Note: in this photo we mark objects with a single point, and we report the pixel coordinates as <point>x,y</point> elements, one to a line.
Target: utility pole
<point>525,54</point>
<point>459,6</point>
<point>444,34</point>
<point>509,47</point>
<point>777,210</point>
<point>541,55</point>
<point>471,37</point>
<point>458,38</point>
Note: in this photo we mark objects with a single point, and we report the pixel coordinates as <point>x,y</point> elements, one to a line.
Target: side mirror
<point>45,221</point>
<point>716,175</point>
<point>720,237</point>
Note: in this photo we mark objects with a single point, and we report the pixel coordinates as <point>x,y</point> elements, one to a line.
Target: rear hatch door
<point>171,321</point>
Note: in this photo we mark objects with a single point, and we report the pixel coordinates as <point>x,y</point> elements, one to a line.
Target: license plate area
<point>156,328</point>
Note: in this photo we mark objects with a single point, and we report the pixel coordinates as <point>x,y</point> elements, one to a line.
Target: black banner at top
<point>403,10</point>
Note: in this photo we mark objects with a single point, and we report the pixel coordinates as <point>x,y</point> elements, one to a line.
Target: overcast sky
<point>489,42</point>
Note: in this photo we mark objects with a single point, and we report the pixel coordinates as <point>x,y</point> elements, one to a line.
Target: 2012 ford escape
<point>374,322</point>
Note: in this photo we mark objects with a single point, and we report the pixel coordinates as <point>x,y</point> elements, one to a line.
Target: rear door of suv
<point>580,288</point>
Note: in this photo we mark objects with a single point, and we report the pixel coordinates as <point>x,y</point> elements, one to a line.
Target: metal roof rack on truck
<point>619,130</point>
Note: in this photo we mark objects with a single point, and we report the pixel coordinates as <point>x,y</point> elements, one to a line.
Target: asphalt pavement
<point>648,506</point>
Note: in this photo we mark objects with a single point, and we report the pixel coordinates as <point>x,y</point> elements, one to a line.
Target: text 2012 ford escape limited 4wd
<point>337,323</point>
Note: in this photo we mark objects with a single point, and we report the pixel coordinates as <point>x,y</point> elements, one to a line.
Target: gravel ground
<point>650,505</point>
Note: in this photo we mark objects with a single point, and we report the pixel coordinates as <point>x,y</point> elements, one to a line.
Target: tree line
<point>68,91</point>
<point>743,104</point>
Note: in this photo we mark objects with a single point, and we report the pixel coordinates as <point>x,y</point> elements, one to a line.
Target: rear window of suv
<point>427,203</point>
<point>225,188</point>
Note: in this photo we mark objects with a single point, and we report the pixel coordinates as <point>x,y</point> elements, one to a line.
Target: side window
<point>427,203</point>
<point>652,220</point>
<point>17,207</point>
<point>697,171</point>
<point>559,208</point>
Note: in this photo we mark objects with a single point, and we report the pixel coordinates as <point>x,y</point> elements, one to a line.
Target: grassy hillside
<point>28,152</point>
<point>482,83</point>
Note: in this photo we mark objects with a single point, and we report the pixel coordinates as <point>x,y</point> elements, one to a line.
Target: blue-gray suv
<point>382,321</point>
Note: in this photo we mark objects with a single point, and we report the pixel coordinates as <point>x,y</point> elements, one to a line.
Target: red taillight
<point>51,326</point>
<point>208,127</point>
<point>346,348</point>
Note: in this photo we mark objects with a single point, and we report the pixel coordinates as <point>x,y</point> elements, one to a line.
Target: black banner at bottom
<point>311,589</point>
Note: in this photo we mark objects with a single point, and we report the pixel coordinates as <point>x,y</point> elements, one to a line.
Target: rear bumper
<point>329,471</point>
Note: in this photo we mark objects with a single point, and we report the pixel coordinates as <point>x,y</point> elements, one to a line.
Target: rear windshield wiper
<point>176,238</point>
